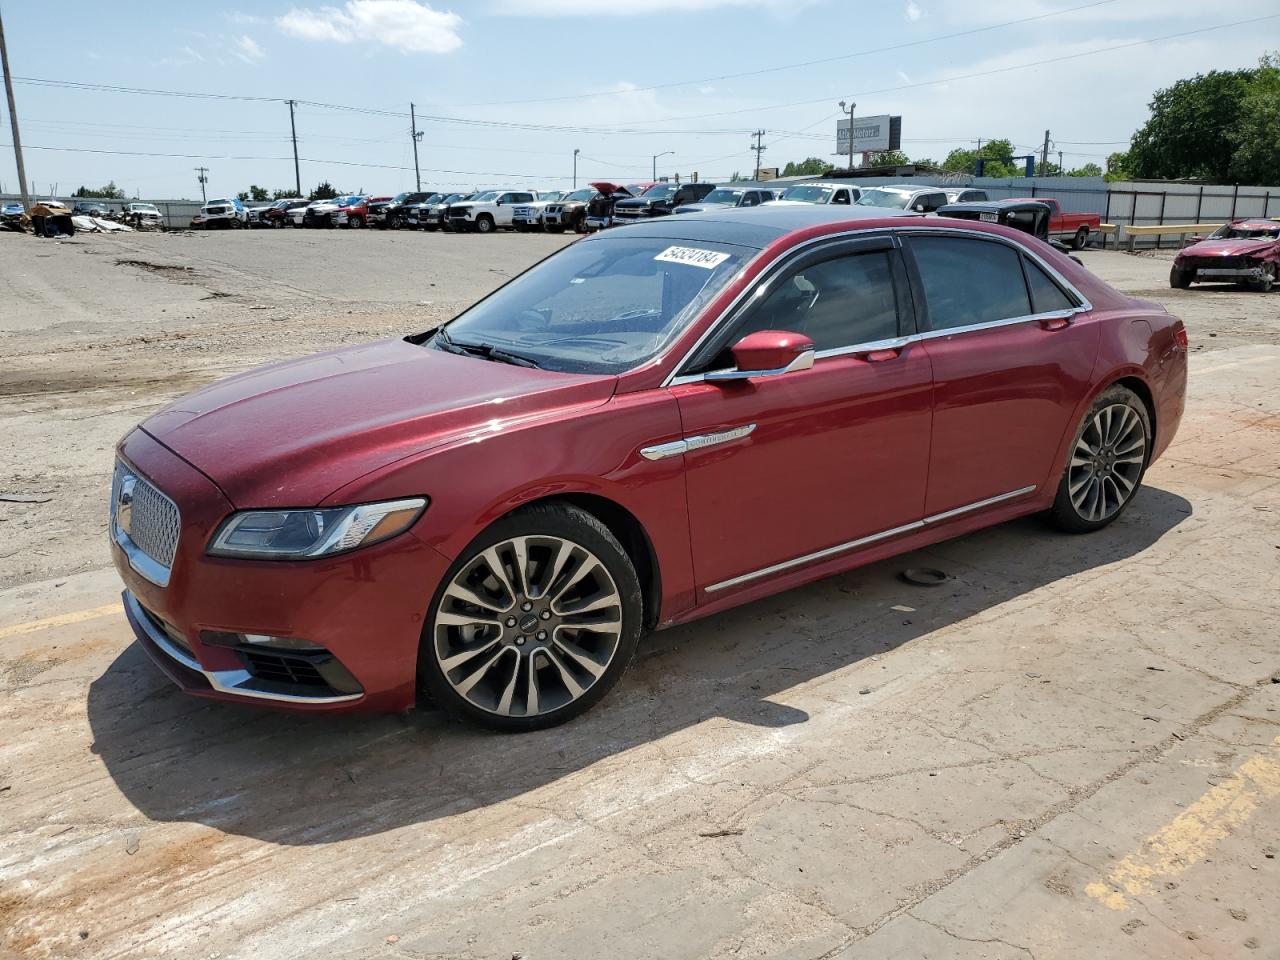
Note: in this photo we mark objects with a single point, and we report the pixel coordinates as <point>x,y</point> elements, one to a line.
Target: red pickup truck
<point>1074,225</point>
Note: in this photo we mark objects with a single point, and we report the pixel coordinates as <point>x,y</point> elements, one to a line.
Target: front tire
<point>534,623</point>
<point>484,224</point>
<point>1266,281</point>
<point>1108,459</point>
<point>1179,279</point>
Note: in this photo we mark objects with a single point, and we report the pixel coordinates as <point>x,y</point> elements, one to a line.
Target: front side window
<point>598,306</point>
<point>968,281</point>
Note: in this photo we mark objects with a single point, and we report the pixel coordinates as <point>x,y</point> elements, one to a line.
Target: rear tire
<point>1179,279</point>
<point>1081,239</point>
<point>1106,463</point>
<point>558,624</point>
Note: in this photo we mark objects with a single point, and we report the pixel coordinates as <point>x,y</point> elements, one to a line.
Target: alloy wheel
<point>1107,462</point>
<point>528,626</point>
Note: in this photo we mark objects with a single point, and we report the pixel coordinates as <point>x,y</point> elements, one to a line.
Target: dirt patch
<point>163,269</point>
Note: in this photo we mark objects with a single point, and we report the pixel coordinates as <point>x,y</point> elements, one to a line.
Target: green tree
<point>323,191</point>
<point>1088,170</point>
<point>109,192</point>
<point>284,193</point>
<point>888,158</point>
<point>809,167</point>
<point>928,162</point>
<point>1118,167</point>
<point>962,160</point>
<point>1220,126</point>
<point>1256,157</point>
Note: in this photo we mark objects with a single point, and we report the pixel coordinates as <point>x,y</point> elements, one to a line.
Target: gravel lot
<point>1071,750</point>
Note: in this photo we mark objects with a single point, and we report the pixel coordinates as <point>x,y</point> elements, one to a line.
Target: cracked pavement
<point>1070,749</point>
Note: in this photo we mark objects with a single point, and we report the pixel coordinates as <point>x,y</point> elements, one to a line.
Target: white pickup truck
<point>488,211</point>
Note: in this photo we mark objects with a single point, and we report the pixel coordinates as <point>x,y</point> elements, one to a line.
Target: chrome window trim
<point>675,378</point>
<point>224,681</point>
<point>867,540</point>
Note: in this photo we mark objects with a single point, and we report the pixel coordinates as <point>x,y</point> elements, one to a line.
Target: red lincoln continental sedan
<point>652,425</point>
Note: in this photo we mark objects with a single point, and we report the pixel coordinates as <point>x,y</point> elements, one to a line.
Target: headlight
<point>304,534</point>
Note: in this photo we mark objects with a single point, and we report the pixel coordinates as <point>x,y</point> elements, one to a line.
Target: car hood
<point>609,189</point>
<point>1227,248</point>
<point>291,434</point>
<point>323,208</point>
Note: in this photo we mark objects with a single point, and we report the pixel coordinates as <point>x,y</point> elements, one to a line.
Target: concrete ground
<point>1071,749</point>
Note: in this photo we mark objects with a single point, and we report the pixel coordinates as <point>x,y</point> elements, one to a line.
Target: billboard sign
<point>870,134</point>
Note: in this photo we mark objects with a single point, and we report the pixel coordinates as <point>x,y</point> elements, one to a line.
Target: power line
<point>795,66</point>
<point>972,76</point>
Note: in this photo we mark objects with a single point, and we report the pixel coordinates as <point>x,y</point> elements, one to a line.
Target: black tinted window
<point>1045,294</point>
<point>835,303</point>
<point>842,196</point>
<point>970,281</point>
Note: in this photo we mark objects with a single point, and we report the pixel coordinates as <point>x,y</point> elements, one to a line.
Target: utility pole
<point>576,151</point>
<point>416,134</point>
<point>1044,153</point>
<point>202,174</point>
<point>759,148</point>
<point>293,132</point>
<point>13,121</point>
<point>851,108</point>
<point>1061,171</point>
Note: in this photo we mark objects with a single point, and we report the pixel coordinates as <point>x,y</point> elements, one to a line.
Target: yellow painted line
<point>61,620</point>
<point>1186,839</point>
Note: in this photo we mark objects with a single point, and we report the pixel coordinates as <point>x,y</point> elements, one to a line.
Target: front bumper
<point>363,611</point>
<point>1239,273</point>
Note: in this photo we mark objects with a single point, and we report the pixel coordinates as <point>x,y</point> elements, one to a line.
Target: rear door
<point>1012,348</point>
<point>812,460</point>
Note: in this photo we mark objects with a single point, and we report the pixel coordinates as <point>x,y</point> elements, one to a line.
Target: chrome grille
<point>155,524</point>
<point>144,522</point>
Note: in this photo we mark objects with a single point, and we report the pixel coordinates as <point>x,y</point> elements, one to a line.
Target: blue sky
<point>491,76</point>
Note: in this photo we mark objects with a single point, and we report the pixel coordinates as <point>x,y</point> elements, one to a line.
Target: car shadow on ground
<point>311,780</point>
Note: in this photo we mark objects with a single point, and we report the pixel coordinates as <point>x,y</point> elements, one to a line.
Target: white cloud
<point>247,49</point>
<point>913,11</point>
<point>635,8</point>
<point>408,25</point>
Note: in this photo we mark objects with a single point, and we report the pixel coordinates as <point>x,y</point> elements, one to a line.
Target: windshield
<point>583,195</point>
<point>884,198</point>
<point>663,191</point>
<point>600,306</point>
<point>1246,231</point>
<point>807,194</point>
<point>348,201</point>
<point>723,196</point>
<point>401,197</point>
<point>139,207</point>
<point>486,197</point>
<point>211,203</point>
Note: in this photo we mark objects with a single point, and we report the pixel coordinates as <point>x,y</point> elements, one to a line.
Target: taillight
<point>1180,336</point>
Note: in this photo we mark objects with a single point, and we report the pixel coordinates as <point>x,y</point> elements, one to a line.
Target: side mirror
<point>767,353</point>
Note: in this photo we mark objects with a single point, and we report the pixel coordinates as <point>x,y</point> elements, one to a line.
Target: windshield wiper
<point>487,351</point>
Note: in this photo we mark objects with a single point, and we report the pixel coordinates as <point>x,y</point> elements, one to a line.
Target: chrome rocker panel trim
<point>223,681</point>
<point>865,541</point>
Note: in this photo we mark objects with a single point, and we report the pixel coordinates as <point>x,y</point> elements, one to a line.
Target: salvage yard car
<point>817,192</point>
<point>486,212</point>
<point>222,213</point>
<point>652,425</point>
<point>660,199</point>
<point>918,199</point>
<point>600,208</point>
<point>277,215</point>
<point>734,196</point>
<point>353,212</point>
<point>144,214</point>
<point>389,212</point>
<point>1073,228</point>
<point>528,215</point>
<point>1244,251</point>
<point>569,212</point>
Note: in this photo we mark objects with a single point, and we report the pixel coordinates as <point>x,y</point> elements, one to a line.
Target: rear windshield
<point>723,196</point>
<point>884,198</point>
<point>599,306</point>
<point>807,194</point>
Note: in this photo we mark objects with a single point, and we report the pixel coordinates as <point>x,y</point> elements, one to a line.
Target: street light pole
<point>665,153</point>
<point>576,151</point>
<point>851,108</point>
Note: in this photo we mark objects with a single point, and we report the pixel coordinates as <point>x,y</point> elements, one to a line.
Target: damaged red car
<point>1246,252</point>
<point>652,425</point>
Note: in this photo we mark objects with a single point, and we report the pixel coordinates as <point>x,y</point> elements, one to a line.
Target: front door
<point>812,460</point>
<point>1013,350</point>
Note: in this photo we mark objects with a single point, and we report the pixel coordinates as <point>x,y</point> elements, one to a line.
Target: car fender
<point>594,452</point>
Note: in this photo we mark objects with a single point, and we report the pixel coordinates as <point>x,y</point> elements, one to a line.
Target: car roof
<point>751,226</point>
<point>994,206</point>
<point>910,188</point>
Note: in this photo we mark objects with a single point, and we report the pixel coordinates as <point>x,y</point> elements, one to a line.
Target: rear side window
<point>1046,296</point>
<point>968,281</point>
<point>842,196</point>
